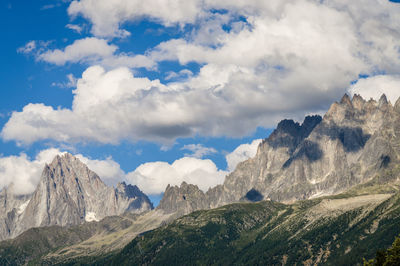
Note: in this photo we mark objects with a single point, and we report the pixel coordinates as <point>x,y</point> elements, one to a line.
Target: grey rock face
<point>182,200</point>
<point>352,144</point>
<point>70,193</point>
<point>11,206</point>
<point>355,142</point>
<point>138,201</point>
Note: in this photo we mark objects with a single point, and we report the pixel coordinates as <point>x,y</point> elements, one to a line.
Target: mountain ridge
<point>69,193</point>
<point>351,144</point>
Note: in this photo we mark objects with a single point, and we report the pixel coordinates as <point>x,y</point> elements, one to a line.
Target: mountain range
<point>324,189</point>
<point>68,193</point>
<point>355,142</point>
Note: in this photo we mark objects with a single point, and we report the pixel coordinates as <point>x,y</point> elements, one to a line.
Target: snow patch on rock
<point>22,208</point>
<point>90,217</point>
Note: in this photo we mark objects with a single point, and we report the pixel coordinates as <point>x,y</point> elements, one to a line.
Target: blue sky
<point>133,87</point>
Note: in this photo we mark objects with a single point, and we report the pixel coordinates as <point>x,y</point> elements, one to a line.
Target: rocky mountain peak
<point>383,101</point>
<point>357,109</point>
<point>182,199</point>
<point>345,108</point>
<point>70,193</point>
<point>358,102</point>
<point>68,166</point>
<point>346,100</point>
<point>128,190</point>
<point>65,159</point>
<point>289,133</point>
<point>287,126</point>
<point>309,123</point>
<point>133,192</point>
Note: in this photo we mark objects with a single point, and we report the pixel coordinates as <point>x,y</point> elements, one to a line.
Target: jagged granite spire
<point>383,100</point>
<point>70,193</point>
<point>346,100</point>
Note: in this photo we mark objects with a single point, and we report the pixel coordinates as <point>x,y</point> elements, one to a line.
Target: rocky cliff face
<point>11,207</point>
<point>182,200</point>
<point>69,193</point>
<point>355,142</point>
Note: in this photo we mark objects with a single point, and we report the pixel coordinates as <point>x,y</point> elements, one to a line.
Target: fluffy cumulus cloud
<point>107,16</point>
<point>84,49</point>
<point>154,177</point>
<point>242,153</point>
<point>91,51</point>
<point>374,87</point>
<point>24,173</point>
<point>260,61</point>
<point>109,106</point>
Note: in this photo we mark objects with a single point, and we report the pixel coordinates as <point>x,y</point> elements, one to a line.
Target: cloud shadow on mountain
<point>308,149</point>
<point>353,139</point>
<point>254,195</point>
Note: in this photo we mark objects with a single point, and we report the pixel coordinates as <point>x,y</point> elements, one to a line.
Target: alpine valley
<point>323,192</point>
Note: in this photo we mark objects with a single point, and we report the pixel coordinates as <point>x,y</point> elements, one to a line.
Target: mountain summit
<point>357,141</point>
<point>69,193</point>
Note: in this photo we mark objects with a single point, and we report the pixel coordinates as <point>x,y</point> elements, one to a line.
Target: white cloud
<point>154,177</point>
<point>71,82</point>
<point>78,29</point>
<point>278,53</point>
<point>24,173</point>
<point>107,16</point>
<point>128,60</point>
<point>47,156</point>
<point>184,73</point>
<point>93,51</point>
<point>198,150</point>
<point>242,153</point>
<point>28,48</point>
<point>107,107</point>
<point>115,105</point>
<point>285,60</point>
<point>88,49</point>
<point>374,87</point>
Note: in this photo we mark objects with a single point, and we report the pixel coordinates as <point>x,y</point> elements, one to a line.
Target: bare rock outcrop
<point>182,200</point>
